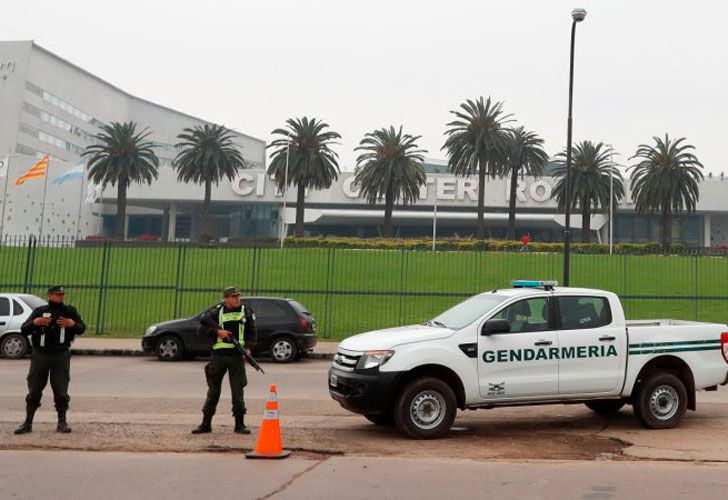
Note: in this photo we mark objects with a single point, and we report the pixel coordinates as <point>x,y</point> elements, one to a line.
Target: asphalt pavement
<point>111,476</point>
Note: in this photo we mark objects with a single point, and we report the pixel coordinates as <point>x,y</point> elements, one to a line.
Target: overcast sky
<point>643,68</point>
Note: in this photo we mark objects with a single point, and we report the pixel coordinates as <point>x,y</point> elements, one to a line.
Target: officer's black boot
<point>27,426</point>
<point>62,424</point>
<point>205,426</point>
<point>240,426</point>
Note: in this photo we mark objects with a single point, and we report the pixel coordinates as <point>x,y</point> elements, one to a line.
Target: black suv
<point>286,332</point>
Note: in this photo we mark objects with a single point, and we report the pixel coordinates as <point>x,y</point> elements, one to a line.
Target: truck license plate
<point>333,379</point>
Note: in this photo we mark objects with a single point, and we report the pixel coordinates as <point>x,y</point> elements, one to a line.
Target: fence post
<point>401,283</point>
<point>102,289</point>
<point>695,297</point>
<point>178,282</point>
<point>327,297</point>
<point>29,261</point>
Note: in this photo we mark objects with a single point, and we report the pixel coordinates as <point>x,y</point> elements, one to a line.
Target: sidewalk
<point>100,346</point>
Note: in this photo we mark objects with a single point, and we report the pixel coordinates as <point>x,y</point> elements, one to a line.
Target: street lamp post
<point>577,15</point>
<point>611,199</point>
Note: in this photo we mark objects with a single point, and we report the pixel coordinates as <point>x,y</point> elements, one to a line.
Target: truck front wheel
<point>661,401</point>
<point>425,409</point>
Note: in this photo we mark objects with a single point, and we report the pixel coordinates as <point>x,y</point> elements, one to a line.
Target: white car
<point>534,343</point>
<point>14,310</point>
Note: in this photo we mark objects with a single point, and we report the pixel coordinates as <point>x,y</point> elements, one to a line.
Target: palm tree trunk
<point>388,206</point>
<point>512,206</point>
<point>480,227</point>
<point>206,234</point>
<point>300,207</point>
<point>666,226</point>
<point>585,220</point>
<point>120,210</point>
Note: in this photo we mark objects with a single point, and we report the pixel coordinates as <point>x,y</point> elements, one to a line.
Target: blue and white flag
<point>73,174</point>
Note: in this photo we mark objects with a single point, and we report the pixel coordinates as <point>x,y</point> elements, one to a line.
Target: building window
<point>34,89</point>
<point>60,143</point>
<point>31,110</point>
<point>25,150</point>
<point>27,129</point>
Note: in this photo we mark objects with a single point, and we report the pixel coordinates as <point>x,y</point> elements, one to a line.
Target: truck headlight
<point>373,359</point>
<point>150,330</point>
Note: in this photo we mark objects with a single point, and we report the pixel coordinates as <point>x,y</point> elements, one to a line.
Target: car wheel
<point>283,350</point>
<point>382,419</point>
<point>605,406</point>
<point>661,401</point>
<point>170,348</point>
<point>425,409</point>
<point>14,346</point>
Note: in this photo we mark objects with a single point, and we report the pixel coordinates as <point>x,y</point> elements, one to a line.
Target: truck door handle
<point>607,338</point>
<point>2,323</point>
<point>543,342</point>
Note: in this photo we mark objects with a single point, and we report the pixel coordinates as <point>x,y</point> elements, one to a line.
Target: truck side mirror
<point>495,326</point>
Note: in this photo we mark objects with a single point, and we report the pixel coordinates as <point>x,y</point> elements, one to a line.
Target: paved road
<point>139,404</point>
<point>111,476</point>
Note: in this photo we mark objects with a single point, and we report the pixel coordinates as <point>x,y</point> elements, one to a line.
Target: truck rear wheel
<point>425,409</point>
<point>605,406</point>
<point>661,401</point>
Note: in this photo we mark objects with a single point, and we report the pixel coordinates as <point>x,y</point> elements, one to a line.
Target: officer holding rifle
<point>227,324</point>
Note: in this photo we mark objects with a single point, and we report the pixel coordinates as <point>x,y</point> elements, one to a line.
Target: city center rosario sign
<point>445,188</point>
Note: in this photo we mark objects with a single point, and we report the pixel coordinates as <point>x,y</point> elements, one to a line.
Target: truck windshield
<point>467,311</point>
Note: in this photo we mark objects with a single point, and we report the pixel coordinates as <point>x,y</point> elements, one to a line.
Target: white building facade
<point>50,107</point>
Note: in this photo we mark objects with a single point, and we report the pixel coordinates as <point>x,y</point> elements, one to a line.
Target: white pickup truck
<point>534,343</point>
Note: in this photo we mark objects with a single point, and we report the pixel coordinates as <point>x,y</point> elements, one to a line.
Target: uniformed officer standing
<point>229,319</point>
<point>52,328</point>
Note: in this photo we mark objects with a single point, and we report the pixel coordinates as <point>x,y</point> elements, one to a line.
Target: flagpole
<point>80,204</point>
<point>45,189</point>
<point>5,199</point>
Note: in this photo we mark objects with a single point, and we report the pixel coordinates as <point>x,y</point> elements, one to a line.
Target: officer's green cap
<point>231,290</point>
<point>57,289</point>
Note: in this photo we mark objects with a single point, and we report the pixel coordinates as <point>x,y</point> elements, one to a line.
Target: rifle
<point>250,359</point>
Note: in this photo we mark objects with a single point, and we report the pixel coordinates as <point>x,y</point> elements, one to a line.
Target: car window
<point>299,307</point>
<point>33,301</point>
<point>17,308</point>
<point>467,311</point>
<point>578,313</point>
<point>265,310</point>
<point>529,315</point>
<point>4,306</point>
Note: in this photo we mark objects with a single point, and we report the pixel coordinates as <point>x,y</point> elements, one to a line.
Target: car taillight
<point>304,324</point>
<point>724,345</point>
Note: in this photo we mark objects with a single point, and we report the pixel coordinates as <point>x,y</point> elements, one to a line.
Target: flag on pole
<point>37,171</point>
<point>93,192</point>
<point>4,165</point>
<point>73,174</point>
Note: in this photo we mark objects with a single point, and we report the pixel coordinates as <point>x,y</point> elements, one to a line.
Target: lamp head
<point>578,14</point>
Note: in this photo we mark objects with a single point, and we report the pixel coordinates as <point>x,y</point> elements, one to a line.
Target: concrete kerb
<point>124,347</point>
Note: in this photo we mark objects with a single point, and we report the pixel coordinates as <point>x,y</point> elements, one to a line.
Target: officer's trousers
<point>57,365</point>
<point>215,371</point>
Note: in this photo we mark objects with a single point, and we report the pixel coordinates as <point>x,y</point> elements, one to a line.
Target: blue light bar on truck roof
<point>546,285</point>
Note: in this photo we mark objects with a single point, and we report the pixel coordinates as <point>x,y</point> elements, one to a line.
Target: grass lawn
<point>123,290</point>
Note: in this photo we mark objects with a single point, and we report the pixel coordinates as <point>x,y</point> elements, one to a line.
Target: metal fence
<point>121,288</point>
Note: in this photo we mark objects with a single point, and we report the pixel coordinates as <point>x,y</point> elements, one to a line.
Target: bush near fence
<point>121,289</point>
<point>459,244</point>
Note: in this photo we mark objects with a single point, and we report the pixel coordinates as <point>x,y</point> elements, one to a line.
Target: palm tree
<point>390,166</point>
<point>206,155</point>
<point>311,162</point>
<point>666,180</point>
<point>472,144</point>
<point>591,171</point>
<point>121,156</point>
<point>523,154</point>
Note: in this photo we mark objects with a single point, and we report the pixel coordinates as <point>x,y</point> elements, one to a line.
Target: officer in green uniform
<point>231,318</point>
<point>52,328</point>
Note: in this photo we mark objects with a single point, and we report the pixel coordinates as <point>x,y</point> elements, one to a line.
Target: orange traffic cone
<point>269,444</point>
